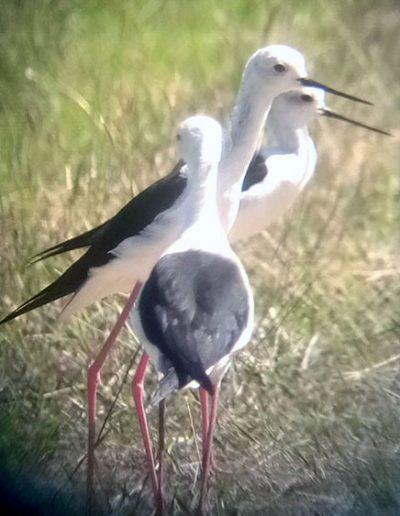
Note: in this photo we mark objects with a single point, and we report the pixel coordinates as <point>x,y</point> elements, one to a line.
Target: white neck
<point>290,167</point>
<point>202,196</point>
<point>289,139</point>
<point>201,224</point>
<point>295,141</point>
<point>248,119</point>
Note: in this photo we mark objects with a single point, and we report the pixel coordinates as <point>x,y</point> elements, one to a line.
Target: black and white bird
<point>279,173</point>
<point>196,308</point>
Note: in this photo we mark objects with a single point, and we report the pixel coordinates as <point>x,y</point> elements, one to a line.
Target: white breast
<point>266,202</point>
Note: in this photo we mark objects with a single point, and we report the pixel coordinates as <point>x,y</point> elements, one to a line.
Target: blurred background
<point>90,96</point>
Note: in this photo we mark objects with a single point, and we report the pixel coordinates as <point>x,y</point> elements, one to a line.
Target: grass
<point>91,93</point>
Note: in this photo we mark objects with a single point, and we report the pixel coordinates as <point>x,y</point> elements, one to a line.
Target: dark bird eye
<point>280,68</point>
<point>178,137</point>
<point>306,98</point>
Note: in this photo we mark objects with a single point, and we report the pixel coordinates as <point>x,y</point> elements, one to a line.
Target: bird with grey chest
<point>196,308</point>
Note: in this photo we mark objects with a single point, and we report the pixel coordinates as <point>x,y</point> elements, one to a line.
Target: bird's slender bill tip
<point>337,116</point>
<point>304,81</point>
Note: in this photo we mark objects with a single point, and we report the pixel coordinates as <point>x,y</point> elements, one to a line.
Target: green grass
<point>90,96</point>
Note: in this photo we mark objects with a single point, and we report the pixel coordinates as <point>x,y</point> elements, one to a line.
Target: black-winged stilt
<point>196,308</point>
<point>278,174</point>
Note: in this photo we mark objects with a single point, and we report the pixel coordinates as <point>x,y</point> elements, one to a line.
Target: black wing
<point>128,222</point>
<point>69,282</point>
<point>83,240</point>
<point>256,172</point>
<point>193,308</point>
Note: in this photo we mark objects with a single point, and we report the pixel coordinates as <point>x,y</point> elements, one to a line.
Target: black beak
<point>316,84</point>
<point>331,114</point>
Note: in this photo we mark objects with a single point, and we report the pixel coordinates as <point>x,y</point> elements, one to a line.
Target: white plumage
<point>290,163</point>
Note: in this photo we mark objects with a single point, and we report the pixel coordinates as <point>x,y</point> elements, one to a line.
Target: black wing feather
<point>83,240</point>
<point>256,172</point>
<point>67,283</point>
<point>193,308</point>
<point>138,213</point>
<point>128,222</point>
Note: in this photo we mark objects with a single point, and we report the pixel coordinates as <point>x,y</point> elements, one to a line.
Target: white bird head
<point>280,68</point>
<point>298,108</point>
<point>276,67</point>
<point>200,139</point>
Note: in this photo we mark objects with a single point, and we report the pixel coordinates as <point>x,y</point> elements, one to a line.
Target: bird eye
<point>279,67</point>
<point>306,98</point>
<point>178,137</point>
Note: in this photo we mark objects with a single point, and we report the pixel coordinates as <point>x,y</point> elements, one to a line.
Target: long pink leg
<point>207,452</point>
<point>205,416</point>
<point>204,419</point>
<point>138,394</point>
<point>93,379</point>
<point>161,454</point>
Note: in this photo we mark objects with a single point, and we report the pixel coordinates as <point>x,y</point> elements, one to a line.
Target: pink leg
<point>161,452</point>
<point>204,428</point>
<point>207,452</point>
<point>204,419</point>
<point>93,379</point>
<point>138,392</point>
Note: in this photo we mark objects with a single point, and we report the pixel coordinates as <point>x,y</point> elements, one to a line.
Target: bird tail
<point>168,384</point>
<point>171,383</point>
<point>70,281</point>
<point>83,240</point>
<point>198,374</point>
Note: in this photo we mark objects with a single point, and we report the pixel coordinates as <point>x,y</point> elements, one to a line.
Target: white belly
<point>134,259</point>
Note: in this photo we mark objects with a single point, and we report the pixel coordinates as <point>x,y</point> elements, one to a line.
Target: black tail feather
<point>68,283</point>
<point>84,240</point>
<point>172,382</point>
<point>197,373</point>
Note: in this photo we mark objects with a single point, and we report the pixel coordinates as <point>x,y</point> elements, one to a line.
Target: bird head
<point>280,68</point>
<point>200,140</point>
<point>298,108</point>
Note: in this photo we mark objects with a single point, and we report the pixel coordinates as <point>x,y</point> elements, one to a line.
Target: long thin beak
<point>331,114</point>
<point>315,84</point>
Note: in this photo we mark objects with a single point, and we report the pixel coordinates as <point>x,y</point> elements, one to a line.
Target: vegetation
<point>91,93</point>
